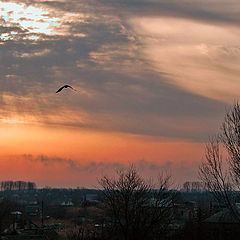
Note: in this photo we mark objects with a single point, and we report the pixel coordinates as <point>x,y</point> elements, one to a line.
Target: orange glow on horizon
<point>83,147</point>
<point>91,145</point>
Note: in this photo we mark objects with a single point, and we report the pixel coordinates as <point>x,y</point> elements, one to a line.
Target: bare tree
<point>76,234</point>
<point>139,209</point>
<point>17,185</point>
<point>230,137</point>
<point>223,152</point>
<point>84,233</point>
<point>6,207</point>
<point>186,186</point>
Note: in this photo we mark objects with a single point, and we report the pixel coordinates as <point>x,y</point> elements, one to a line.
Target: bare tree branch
<point>137,207</point>
<point>223,184</point>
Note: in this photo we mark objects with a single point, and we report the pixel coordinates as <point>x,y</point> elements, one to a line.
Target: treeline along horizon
<point>17,185</point>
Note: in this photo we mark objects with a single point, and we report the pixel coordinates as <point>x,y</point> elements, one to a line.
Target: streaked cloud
<point>202,58</point>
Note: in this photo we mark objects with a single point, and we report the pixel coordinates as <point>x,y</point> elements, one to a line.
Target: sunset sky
<point>154,79</point>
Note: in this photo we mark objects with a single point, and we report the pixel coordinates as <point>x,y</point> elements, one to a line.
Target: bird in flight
<point>65,86</point>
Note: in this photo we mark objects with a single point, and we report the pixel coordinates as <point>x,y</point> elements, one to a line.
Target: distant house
<point>185,212</point>
<point>29,231</point>
<point>67,203</point>
<point>222,225</point>
<point>90,200</point>
<point>91,197</point>
<point>33,203</point>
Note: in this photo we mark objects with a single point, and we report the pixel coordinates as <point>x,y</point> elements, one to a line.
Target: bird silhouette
<point>65,86</point>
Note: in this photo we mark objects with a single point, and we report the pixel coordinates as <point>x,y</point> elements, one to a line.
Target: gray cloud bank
<point>180,171</point>
<point>92,166</point>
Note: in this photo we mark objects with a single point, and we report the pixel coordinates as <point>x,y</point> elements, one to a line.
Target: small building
<point>67,203</point>
<point>222,225</point>
<point>91,197</point>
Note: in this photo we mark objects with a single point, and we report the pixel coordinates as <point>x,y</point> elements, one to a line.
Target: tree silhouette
<point>221,170</point>
<point>138,209</point>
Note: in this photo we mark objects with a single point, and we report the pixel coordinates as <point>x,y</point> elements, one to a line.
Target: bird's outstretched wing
<point>60,89</point>
<point>68,86</point>
<point>65,86</point>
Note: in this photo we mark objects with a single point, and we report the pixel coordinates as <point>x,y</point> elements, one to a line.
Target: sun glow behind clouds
<point>32,21</point>
<point>11,121</point>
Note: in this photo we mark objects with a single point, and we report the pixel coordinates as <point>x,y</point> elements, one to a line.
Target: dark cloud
<point>182,171</point>
<point>94,167</point>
